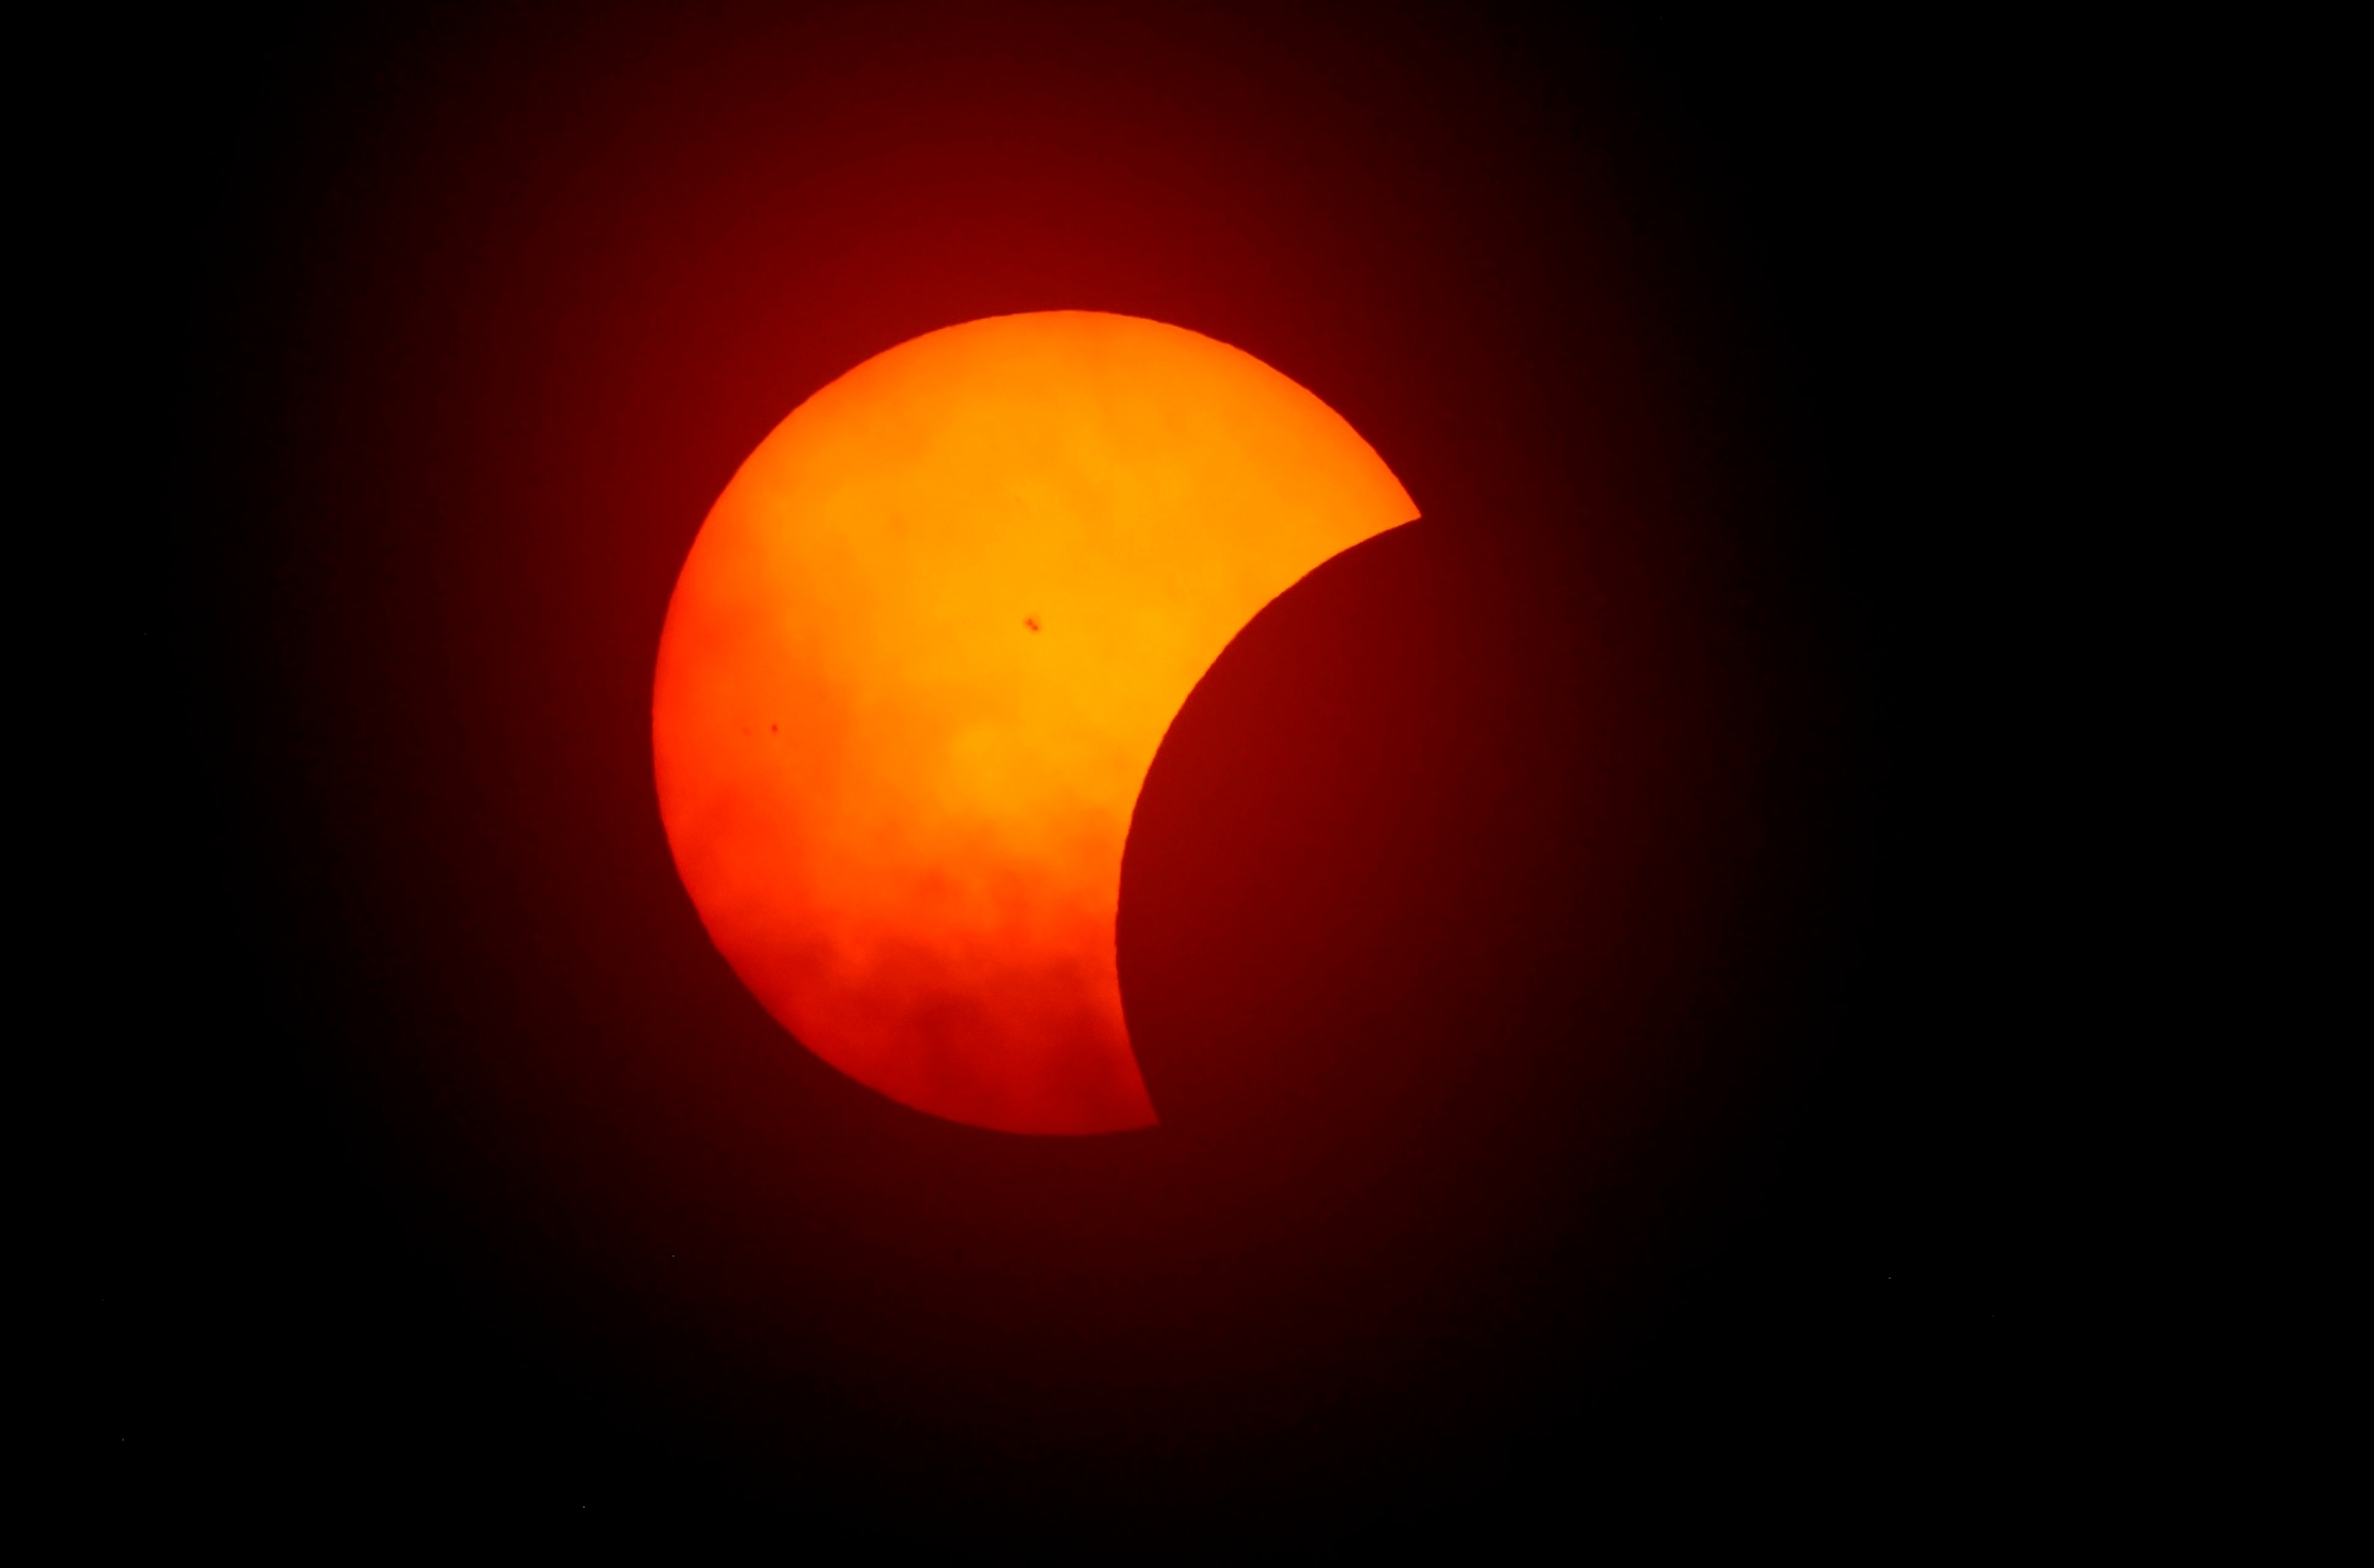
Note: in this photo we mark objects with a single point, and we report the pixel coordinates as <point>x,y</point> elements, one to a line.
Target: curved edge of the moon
<point>1130,836</point>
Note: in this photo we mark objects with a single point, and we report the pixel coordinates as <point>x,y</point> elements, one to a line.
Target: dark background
<point>1550,932</point>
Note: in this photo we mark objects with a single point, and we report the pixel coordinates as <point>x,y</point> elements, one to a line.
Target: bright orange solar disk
<point>919,661</point>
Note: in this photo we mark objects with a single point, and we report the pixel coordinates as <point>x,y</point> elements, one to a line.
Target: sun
<point>920,657</point>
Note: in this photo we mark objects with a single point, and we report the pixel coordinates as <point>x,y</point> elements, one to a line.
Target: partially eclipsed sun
<point>920,657</point>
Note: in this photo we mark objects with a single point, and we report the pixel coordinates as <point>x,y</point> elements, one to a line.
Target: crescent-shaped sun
<point>917,663</point>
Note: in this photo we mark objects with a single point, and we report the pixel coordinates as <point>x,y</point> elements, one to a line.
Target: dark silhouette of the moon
<point>1443,946</point>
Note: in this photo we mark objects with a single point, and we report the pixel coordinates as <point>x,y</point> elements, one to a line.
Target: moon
<point>919,657</point>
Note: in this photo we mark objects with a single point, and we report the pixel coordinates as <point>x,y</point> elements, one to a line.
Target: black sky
<point>1593,1110</point>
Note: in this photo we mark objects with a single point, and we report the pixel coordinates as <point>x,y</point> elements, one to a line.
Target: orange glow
<point>919,661</point>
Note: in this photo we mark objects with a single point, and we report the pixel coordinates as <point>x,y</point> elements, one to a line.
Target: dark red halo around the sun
<point>1467,902</point>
